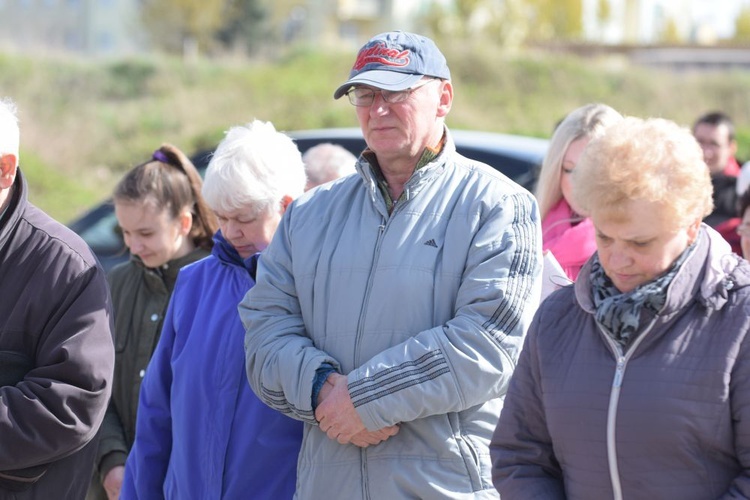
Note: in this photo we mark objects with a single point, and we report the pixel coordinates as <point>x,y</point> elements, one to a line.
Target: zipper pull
<point>618,373</point>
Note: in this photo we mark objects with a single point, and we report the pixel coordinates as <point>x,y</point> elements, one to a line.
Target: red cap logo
<point>381,54</point>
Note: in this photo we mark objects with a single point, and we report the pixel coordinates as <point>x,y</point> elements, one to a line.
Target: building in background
<point>96,27</point>
<point>114,28</point>
<point>347,24</point>
<point>647,22</point>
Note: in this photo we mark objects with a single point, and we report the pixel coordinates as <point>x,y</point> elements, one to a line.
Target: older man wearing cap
<point>391,305</point>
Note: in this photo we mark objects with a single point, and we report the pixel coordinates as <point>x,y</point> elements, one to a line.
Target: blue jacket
<point>201,432</point>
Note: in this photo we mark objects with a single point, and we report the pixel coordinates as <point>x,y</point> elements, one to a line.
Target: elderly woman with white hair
<point>200,431</point>
<point>635,381</point>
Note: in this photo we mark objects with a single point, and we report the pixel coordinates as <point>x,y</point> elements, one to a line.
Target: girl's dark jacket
<point>56,354</point>
<point>140,296</point>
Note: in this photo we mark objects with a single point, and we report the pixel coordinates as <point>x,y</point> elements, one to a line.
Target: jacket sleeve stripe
<point>521,273</point>
<point>427,367</point>
<point>277,401</point>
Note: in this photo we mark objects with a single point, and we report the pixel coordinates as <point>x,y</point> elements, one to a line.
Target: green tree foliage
<point>510,22</point>
<point>193,26</point>
<point>742,25</point>
<point>509,25</point>
<point>603,15</point>
<point>670,34</point>
<point>185,26</point>
<point>466,9</point>
<point>455,21</point>
<point>244,24</point>
<point>603,11</point>
<point>556,19</point>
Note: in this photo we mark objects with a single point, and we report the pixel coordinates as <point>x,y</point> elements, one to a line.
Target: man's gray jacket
<point>424,310</point>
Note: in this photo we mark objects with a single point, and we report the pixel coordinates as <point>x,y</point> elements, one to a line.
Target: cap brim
<point>386,80</point>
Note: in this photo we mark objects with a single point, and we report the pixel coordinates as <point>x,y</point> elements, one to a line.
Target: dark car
<point>516,156</point>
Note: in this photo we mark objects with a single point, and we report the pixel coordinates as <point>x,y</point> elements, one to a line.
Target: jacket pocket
<point>468,452</point>
<point>21,479</point>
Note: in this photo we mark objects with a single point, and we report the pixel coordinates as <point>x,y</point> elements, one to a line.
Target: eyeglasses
<point>363,96</point>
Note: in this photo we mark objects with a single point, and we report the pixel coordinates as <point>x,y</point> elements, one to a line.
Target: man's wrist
<point>321,376</point>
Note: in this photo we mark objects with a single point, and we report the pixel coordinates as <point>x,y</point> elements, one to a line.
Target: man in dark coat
<point>56,351</point>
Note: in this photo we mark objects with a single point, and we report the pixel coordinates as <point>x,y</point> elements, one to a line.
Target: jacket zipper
<point>386,220</point>
<point>357,341</point>
<point>614,400</point>
<point>357,344</point>
<point>375,258</point>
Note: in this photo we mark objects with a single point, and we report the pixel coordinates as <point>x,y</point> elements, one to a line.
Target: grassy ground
<point>85,122</point>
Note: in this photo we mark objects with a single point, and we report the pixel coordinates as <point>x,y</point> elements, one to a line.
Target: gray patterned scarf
<point>619,314</point>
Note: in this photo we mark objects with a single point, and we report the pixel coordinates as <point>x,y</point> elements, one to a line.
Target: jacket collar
<point>706,276</point>
<point>15,209</point>
<point>167,273</point>
<point>227,254</point>
<point>418,180</point>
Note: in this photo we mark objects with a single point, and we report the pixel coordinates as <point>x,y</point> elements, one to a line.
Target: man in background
<point>56,351</point>
<point>714,131</point>
<point>326,162</point>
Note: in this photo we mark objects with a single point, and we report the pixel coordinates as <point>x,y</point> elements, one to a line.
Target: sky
<point>719,13</point>
<point>713,19</point>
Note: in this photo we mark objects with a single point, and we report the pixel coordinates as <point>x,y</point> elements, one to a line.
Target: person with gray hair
<point>200,431</point>
<point>391,305</point>
<point>327,162</point>
<point>635,381</point>
<point>566,234</point>
<point>56,350</point>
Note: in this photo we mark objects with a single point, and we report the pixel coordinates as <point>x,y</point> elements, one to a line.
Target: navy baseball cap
<point>395,61</point>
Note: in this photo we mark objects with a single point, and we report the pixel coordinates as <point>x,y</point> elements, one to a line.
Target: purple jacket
<point>669,418</point>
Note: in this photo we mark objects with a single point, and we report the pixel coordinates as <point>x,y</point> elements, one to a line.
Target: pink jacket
<point>571,245</point>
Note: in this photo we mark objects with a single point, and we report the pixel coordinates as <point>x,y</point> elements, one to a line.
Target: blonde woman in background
<point>565,233</point>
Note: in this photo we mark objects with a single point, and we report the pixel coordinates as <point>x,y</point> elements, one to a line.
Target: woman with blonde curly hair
<point>634,382</point>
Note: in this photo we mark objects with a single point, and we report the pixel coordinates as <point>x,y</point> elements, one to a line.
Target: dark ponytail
<point>171,180</point>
